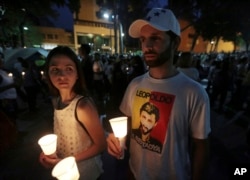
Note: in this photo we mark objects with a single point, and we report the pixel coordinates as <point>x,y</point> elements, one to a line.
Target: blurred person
<point>244,100</point>
<point>221,79</point>
<point>8,110</point>
<point>98,79</point>
<point>241,73</point>
<point>138,67</point>
<point>8,94</point>
<point>76,120</point>
<point>211,70</point>
<point>31,84</point>
<point>184,124</point>
<point>185,62</point>
<point>87,64</point>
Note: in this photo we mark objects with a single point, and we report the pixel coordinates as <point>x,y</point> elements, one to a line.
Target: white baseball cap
<point>161,19</point>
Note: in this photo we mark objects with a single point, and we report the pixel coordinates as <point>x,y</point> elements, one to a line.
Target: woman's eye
<point>54,70</point>
<point>69,69</point>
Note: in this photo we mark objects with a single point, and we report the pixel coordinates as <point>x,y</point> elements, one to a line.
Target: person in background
<point>184,124</point>
<point>87,64</point>
<point>8,110</point>
<point>185,65</point>
<point>8,94</point>
<point>76,120</point>
<point>221,78</point>
<point>31,84</point>
<point>98,79</point>
<point>138,67</point>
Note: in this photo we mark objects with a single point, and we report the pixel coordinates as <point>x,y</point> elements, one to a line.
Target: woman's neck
<point>66,98</point>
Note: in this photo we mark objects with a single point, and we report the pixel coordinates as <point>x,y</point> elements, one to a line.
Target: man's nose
<point>148,44</point>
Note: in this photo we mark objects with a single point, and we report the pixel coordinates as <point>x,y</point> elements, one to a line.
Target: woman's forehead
<point>61,59</point>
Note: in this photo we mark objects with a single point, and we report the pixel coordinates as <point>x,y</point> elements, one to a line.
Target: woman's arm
<point>88,115</point>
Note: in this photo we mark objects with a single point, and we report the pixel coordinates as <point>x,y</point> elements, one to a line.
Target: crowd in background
<point>227,77</point>
<point>107,76</point>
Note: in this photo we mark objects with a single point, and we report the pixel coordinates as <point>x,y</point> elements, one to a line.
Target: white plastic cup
<point>66,169</point>
<point>48,144</point>
<point>119,126</point>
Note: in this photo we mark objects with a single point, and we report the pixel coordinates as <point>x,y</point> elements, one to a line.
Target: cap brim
<point>135,28</point>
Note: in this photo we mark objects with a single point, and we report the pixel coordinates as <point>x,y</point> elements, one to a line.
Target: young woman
<point>76,120</point>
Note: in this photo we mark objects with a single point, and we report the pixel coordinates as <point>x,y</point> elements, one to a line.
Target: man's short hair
<point>150,108</point>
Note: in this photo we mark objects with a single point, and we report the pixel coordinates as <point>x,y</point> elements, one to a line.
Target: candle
<point>66,169</point>
<point>48,144</point>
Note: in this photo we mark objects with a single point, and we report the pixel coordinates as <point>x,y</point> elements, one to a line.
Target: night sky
<point>65,19</point>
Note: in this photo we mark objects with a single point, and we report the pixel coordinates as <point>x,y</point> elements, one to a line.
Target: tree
<point>18,13</point>
<point>214,19</point>
<point>127,11</point>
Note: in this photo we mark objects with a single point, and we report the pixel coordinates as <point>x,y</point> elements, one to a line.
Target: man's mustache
<point>149,52</point>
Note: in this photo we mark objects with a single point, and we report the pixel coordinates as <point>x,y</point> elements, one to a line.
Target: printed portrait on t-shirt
<point>151,112</point>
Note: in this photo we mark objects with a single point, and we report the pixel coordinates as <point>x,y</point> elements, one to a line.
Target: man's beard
<point>160,59</point>
<point>143,131</point>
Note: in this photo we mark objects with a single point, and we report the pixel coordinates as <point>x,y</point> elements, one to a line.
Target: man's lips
<point>149,56</point>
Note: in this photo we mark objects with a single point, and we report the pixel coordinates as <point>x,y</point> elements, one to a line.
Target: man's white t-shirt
<point>184,112</point>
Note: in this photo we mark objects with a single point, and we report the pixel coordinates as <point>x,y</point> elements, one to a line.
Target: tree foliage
<point>16,13</point>
<point>212,19</point>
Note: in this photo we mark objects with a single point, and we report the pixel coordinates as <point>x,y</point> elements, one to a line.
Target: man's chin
<point>150,62</point>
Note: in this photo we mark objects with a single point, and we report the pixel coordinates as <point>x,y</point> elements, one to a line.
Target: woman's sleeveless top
<point>73,138</point>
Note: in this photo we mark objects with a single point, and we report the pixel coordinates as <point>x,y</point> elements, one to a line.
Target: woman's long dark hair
<point>79,87</point>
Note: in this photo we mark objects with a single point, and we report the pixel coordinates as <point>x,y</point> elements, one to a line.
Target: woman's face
<point>62,72</point>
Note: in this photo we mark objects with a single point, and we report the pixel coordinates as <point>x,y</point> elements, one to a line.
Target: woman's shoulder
<point>84,101</point>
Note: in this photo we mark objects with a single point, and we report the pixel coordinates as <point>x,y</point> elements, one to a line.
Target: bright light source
<point>106,15</point>
<point>25,28</point>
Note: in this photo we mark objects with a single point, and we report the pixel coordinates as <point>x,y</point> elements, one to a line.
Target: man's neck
<point>163,72</point>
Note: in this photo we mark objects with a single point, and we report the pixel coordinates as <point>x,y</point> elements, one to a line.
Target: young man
<point>184,123</point>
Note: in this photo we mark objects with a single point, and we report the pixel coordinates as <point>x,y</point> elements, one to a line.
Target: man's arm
<point>200,158</point>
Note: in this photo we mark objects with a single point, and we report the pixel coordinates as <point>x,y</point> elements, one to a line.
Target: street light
<point>212,44</point>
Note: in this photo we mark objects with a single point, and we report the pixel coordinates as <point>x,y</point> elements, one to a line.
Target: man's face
<point>148,122</point>
<point>156,46</point>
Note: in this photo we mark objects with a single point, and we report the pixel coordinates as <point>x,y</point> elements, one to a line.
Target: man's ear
<point>177,42</point>
<point>155,124</point>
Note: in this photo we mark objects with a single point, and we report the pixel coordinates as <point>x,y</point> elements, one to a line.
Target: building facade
<point>98,33</point>
<point>53,37</point>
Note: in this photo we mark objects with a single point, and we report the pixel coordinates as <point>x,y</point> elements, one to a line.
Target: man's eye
<point>155,38</point>
<point>142,39</point>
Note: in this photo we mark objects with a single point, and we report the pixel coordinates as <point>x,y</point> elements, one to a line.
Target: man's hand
<point>114,147</point>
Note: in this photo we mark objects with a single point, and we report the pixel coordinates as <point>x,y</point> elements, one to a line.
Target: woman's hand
<point>48,161</point>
